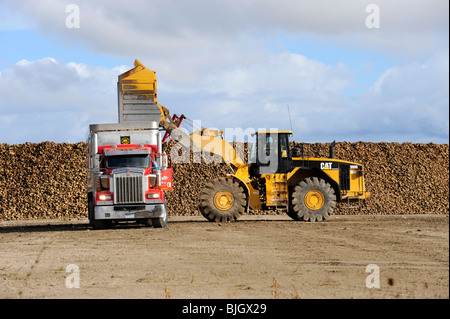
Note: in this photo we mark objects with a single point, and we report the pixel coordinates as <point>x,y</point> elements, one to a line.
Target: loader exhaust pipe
<point>332,146</point>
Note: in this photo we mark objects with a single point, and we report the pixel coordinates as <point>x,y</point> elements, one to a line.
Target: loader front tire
<point>313,199</point>
<point>222,200</point>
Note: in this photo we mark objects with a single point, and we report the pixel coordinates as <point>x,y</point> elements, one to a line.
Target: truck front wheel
<point>96,224</point>
<point>161,222</point>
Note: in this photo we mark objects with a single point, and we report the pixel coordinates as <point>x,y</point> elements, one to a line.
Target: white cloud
<point>409,28</point>
<point>283,72</point>
<point>257,94</point>
<point>408,103</point>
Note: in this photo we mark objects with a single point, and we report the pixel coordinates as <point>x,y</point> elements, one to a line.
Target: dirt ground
<point>261,257</point>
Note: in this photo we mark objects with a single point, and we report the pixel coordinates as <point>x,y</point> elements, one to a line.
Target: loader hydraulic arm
<point>203,140</point>
<point>165,116</point>
<point>207,141</point>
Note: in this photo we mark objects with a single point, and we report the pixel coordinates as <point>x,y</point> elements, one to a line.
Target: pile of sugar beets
<point>48,180</point>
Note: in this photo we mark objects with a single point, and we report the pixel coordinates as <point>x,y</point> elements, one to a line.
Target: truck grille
<point>128,189</point>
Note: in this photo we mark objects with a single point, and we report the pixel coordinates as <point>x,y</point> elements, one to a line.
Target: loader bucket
<point>137,98</point>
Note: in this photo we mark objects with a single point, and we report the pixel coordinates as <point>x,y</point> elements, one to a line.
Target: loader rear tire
<point>313,199</point>
<point>222,200</point>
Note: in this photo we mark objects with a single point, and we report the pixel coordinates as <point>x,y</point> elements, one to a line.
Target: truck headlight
<point>104,197</point>
<point>152,195</point>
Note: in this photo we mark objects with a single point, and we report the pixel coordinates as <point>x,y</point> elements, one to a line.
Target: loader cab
<point>270,153</point>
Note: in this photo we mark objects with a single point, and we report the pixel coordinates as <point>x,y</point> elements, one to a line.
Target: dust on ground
<point>259,257</point>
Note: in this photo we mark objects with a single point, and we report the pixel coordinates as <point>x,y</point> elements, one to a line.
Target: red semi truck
<point>127,169</point>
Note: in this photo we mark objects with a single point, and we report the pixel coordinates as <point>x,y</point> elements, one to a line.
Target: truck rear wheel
<point>313,199</point>
<point>222,200</point>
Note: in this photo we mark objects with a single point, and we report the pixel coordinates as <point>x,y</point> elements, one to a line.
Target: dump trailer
<point>128,172</point>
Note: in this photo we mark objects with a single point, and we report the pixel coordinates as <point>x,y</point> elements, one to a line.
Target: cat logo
<point>325,165</point>
<point>124,140</point>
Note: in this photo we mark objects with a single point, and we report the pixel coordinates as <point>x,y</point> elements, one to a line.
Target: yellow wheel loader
<point>279,177</point>
<point>276,176</point>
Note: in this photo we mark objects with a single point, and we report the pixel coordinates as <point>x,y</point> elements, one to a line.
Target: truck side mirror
<point>94,161</point>
<point>90,162</point>
<point>165,162</point>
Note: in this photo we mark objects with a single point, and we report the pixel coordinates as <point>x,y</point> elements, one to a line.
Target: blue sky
<point>31,45</point>
<point>233,64</point>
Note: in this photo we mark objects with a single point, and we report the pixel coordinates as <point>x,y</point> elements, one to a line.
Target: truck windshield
<point>142,161</point>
